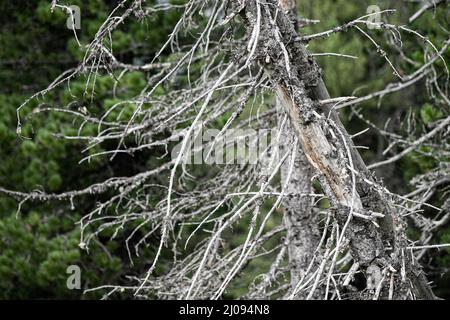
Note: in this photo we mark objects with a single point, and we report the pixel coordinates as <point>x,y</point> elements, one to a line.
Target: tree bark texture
<point>302,227</point>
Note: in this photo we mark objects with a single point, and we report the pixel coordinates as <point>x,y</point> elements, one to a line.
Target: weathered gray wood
<point>330,151</point>
<point>302,228</point>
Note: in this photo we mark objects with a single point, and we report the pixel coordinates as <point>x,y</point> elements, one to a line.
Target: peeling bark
<point>302,228</point>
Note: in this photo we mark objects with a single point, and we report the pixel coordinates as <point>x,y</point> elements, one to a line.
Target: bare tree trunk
<point>302,229</point>
<point>375,232</point>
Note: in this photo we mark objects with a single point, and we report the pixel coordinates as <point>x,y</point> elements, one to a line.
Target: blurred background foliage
<point>37,245</point>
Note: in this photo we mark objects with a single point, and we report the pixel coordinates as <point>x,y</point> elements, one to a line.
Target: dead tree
<point>302,227</point>
<point>357,204</point>
<point>248,51</point>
